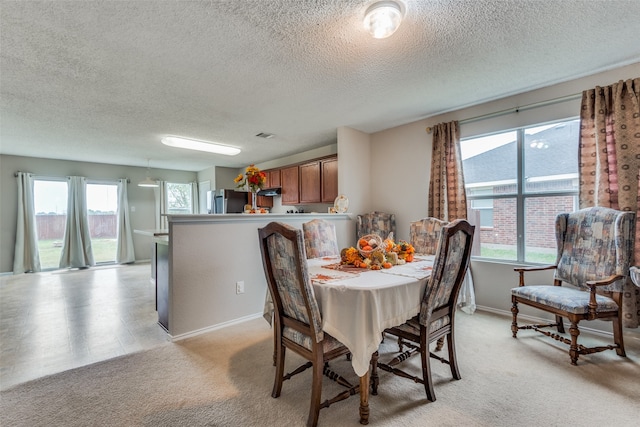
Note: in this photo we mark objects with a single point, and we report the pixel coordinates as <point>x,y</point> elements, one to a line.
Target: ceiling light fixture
<point>194,144</point>
<point>148,182</point>
<point>383,18</point>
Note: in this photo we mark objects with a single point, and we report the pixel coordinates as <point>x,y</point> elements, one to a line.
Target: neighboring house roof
<point>557,157</point>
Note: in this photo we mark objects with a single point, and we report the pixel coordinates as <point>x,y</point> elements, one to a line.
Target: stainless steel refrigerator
<point>226,201</point>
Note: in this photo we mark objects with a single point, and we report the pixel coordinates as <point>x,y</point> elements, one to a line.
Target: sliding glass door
<point>102,208</point>
<point>50,203</point>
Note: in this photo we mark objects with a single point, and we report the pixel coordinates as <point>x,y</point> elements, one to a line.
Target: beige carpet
<point>224,378</point>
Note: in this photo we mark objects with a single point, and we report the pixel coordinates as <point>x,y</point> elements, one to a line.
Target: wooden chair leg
<point>573,351</point>
<point>426,371</point>
<point>453,360</point>
<point>560,323</point>
<point>514,312</point>
<point>279,354</point>
<point>316,392</point>
<point>374,373</point>
<point>617,336</point>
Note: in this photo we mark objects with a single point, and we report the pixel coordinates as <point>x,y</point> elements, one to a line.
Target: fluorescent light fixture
<point>194,144</point>
<point>383,18</point>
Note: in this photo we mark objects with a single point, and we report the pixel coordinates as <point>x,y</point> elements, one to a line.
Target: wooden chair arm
<point>535,268</point>
<point>592,297</point>
<point>522,270</point>
<point>604,282</point>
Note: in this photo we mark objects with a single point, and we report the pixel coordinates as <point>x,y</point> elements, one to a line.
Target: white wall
<point>140,199</point>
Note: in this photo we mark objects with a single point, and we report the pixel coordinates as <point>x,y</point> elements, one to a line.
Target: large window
<point>179,198</point>
<point>516,184</point>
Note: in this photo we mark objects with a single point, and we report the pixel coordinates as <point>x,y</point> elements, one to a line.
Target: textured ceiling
<point>102,81</point>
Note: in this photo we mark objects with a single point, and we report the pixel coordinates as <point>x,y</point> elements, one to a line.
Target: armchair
<point>595,247</point>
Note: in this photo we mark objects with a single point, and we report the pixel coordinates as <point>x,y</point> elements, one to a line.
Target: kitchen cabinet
<point>329,179</point>
<point>273,178</point>
<point>310,182</point>
<point>290,185</point>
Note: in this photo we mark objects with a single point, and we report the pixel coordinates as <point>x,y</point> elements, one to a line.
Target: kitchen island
<point>209,255</point>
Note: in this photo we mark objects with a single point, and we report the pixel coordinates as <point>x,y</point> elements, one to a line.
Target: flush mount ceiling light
<point>383,18</point>
<point>194,144</point>
<point>148,182</point>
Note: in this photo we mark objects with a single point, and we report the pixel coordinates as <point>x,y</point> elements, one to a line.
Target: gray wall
<point>140,199</point>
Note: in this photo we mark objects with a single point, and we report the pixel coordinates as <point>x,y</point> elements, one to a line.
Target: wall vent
<point>265,135</point>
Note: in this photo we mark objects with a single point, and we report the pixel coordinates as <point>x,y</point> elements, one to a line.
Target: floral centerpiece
<point>252,180</point>
<point>385,255</point>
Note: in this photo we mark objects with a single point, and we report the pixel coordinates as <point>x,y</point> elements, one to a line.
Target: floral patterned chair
<point>595,247</point>
<point>379,223</point>
<point>297,320</point>
<point>320,239</point>
<point>424,235</point>
<point>438,307</point>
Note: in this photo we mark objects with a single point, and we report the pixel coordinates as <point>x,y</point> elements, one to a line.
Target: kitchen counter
<point>209,254</point>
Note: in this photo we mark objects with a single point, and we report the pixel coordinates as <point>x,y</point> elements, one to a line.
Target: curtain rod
<point>15,175</point>
<point>517,109</point>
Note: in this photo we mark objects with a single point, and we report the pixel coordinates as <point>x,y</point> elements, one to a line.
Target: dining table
<point>358,304</point>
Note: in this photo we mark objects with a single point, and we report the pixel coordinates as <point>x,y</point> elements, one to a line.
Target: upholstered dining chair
<point>594,252</point>
<point>320,239</point>
<point>438,307</point>
<point>297,319</point>
<point>375,222</point>
<point>424,235</point>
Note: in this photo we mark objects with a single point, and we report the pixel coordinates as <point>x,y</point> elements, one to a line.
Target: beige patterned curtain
<point>447,198</point>
<point>610,162</point>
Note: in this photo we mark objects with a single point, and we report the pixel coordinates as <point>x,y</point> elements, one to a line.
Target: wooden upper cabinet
<point>329,169</point>
<point>289,184</point>
<point>274,178</point>
<point>310,183</point>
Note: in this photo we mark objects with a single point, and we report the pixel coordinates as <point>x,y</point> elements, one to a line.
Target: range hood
<point>269,191</point>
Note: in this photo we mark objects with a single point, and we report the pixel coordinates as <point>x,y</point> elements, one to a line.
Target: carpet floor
<point>225,377</point>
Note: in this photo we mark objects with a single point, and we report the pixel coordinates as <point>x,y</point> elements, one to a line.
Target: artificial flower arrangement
<point>253,179</point>
<point>385,255</point>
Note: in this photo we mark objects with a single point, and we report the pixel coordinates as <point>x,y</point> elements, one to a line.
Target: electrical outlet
<point>240,287</point>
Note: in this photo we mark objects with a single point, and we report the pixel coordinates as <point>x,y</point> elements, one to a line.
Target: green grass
<point>104,250</point>
<point>510,255</point>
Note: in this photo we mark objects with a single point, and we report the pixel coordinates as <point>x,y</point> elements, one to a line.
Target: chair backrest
<point>594,243</point>
<point>375,222</point>
<point>424,235</point>
<point>285,268</point>
<point>320,238</point>
<point>449,268</point>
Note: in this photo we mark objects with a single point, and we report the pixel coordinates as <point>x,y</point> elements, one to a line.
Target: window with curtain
<point>516,183</point>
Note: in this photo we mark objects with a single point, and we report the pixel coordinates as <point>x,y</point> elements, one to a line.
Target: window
<point>179,199</point>
<point>517,182</point>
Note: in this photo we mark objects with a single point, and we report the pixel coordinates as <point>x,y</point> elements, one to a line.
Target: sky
<point>51,196</point>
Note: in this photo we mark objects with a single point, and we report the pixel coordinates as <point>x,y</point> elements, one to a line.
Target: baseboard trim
<point>179,337</point>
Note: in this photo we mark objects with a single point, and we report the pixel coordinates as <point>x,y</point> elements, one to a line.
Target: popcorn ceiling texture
<point>103,80</point>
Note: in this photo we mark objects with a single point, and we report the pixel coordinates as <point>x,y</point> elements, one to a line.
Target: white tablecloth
<point>357,308</point>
